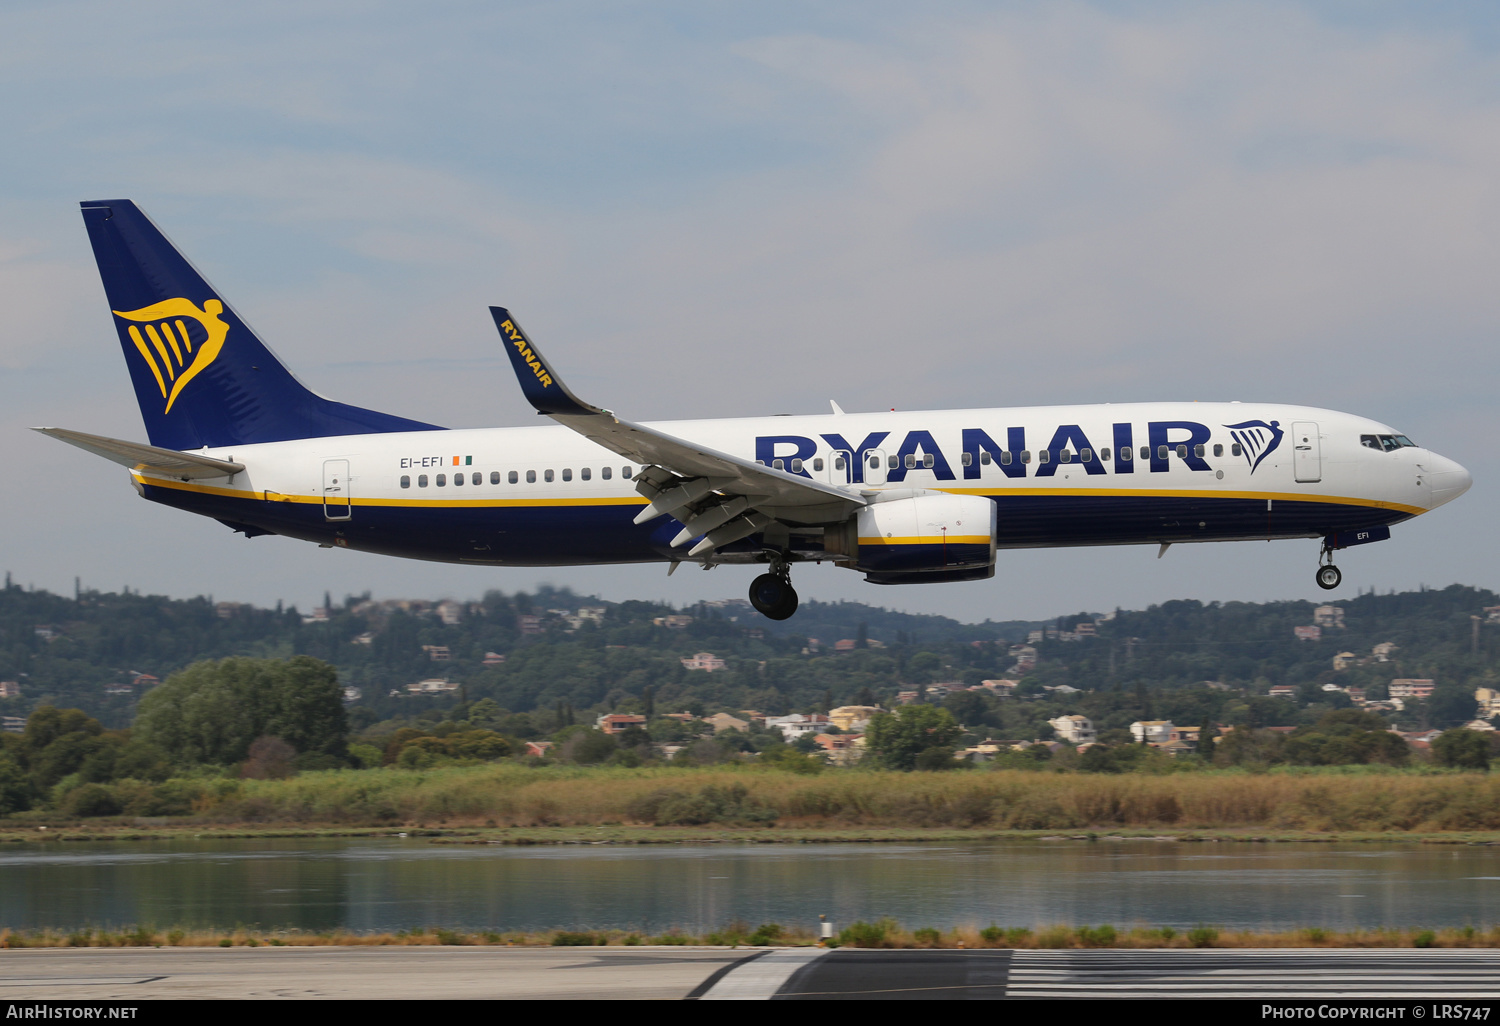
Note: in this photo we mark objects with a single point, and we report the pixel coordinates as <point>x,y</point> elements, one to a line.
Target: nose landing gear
<point>772,593</point>
<point>1328,576</point>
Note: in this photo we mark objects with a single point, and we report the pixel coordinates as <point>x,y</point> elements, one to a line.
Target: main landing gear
<point>1328,576</point>
<point>772,593</point>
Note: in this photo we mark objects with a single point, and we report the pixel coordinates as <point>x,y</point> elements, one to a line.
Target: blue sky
<point>709,209</point>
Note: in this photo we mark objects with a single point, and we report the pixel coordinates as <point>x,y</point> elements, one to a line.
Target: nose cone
<point>1447,479</point>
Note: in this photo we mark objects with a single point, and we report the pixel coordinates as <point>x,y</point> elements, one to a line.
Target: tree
<point>1450,705</point>
<point>211,712</point>
<point>1462,748</point>
<point>897,739</point>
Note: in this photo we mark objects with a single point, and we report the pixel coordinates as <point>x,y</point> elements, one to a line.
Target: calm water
<point>388,884</point>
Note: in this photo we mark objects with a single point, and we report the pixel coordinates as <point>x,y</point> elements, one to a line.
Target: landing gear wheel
<point>773,596</point>
<point>1329,577</point>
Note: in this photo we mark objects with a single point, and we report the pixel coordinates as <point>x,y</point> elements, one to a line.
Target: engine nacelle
<point>920,539</point>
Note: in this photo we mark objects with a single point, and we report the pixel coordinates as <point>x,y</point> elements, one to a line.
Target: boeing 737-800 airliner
<point>903,498</point>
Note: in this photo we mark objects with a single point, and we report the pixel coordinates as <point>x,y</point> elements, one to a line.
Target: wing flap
<point>707,477</point>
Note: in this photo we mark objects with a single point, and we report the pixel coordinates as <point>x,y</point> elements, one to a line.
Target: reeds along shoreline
<point>884,933</point>
<point>510,795</point>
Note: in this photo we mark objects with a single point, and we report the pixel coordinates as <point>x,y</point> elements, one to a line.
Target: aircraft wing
<point>149,458</point>
<point>715,494</point>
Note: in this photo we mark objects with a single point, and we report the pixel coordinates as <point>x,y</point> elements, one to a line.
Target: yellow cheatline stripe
<point>930,539</point>
<point>1149,493</point>
<point>641,501</point>
<point>317,500</point>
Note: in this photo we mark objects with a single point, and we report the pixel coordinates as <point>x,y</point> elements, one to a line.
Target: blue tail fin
<point>201,376</point>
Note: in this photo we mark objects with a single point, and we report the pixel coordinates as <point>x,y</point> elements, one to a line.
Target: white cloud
<point>967,208</point>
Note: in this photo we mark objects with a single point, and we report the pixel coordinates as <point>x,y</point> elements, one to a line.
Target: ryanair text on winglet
<point>513,334</point>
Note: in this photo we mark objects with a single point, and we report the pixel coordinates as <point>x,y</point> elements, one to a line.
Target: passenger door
<point>1307,454</point>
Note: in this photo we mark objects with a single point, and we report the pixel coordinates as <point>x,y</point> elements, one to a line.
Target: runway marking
<point>761,978</point>
<point>1286,974</point>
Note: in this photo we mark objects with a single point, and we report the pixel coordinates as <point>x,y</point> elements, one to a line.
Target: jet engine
<point>917,539</point>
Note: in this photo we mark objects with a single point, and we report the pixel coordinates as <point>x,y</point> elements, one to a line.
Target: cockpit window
<point>1386,443</point>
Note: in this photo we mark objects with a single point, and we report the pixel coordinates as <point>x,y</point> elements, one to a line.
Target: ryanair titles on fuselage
<point>1185,440</point>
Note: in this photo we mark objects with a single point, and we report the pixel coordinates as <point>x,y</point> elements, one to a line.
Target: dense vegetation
<point>67,651</point>
<point>260,694</point>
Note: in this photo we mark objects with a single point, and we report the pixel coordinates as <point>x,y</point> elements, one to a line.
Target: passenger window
<point>547,476</point>
<point>531,477</point>
<point>1218,450</point>
<point>605,472</point>
<point>778,465</point>
<point>984,457</point>
<point>495,477</point>
<point>442,479</point>
<point>1198,451</point>
<point>1025,455</point>
<point>1236,450</point>
<point>421,480</point>
<point>874,462</point>
<point>818,464</point>
<point>405,480</point>
<point>1044,455</point>
<point>626,473</point>
<point>585,473</point>
<point>1104,455</point>
<point>567,473</point>
<point>796,466</point>
<point>838,463</point>
<point>1066,456</point>
<point>511,477</point>
<point>458,480</point>
<point>1162,452</point>
<point>911,461</point>
<point>478,478</point>
<point>1085,454</point>
<point>968,459</point>
<point>1005,457</point>
<point>928,460</point>
<point>1125,453</point>
<point>894,463</point>
<point>1146,452</point>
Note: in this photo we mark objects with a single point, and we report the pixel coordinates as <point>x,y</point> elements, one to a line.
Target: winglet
<point>542,388</point>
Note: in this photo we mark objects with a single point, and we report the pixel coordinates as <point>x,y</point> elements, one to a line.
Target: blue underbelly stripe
<point>566,535</point>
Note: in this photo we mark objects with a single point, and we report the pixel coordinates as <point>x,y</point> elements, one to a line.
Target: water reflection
<point>390,884</point>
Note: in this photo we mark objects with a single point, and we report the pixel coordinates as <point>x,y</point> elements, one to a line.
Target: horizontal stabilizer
<point>146,457</point>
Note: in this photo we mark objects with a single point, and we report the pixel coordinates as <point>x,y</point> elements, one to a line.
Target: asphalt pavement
<point>674,973</point>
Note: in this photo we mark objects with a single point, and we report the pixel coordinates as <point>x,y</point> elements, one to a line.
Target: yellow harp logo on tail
<point>161,334</point>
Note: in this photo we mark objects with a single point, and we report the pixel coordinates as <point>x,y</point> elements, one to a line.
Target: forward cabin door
<point>1307,456</point>
<point>335,489</point>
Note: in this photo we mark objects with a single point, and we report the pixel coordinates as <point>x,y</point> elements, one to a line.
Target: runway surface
<point>673,973</point>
